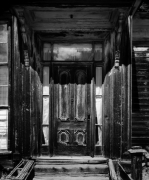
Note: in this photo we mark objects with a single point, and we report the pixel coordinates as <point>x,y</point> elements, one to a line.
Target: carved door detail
<point>71,108</point>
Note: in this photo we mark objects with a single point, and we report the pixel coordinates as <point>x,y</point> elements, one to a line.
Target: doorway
<point>72,109</point>
<point>71,124</point>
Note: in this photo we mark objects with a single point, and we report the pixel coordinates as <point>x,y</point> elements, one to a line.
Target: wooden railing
<point>112,172</point>
<point>117,171</point>
<point>21,172</point>
<point>136,162</point>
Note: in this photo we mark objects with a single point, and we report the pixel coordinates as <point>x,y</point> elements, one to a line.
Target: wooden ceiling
<point>57,23</point>
<point>101,3</point>
<point>78,20</point>
<point>141,23</point>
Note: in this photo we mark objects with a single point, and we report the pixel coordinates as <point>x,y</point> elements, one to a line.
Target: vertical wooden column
<point>136,162</point>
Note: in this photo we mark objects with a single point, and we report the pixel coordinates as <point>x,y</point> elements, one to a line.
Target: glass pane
<point>3,129</point>
<point>45,110</point>
<point>98,52</point>
<point>98,80</point>
<point>47,52</point>
<point>73,52</point>
<point>3,75</point>
<point>3,33</point>
<point>3,52</point>
<point>46,81</point>
<point>45,139</point>
<point>99,119</point>
<point>4,95</point>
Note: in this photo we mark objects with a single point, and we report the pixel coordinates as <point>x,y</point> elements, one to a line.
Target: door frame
<point>51,104</point>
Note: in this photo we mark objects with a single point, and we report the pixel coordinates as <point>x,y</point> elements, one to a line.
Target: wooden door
<point>71,107</point>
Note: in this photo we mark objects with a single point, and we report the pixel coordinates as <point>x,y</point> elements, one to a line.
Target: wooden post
<point>136,162</point>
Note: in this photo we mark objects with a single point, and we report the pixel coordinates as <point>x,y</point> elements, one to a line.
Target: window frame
<point>8,65</point>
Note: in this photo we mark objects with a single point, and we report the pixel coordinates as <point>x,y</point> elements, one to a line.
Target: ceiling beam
<point>135,7</point>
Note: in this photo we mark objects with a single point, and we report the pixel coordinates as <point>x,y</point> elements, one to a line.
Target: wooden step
<point>70,160</point>
<point>71,169</point>
<point>99,177</point>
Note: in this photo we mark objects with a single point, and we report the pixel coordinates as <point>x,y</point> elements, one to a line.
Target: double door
<point>68,126</point>
<point>72,109</point>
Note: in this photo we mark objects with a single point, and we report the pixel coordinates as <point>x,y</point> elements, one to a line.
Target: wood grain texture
<point>71,129</point>
<point>140,98</point>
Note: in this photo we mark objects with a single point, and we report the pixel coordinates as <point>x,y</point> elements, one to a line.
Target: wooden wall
<point>25,97</point>
<point>116,95</point>
<point>140,96</point>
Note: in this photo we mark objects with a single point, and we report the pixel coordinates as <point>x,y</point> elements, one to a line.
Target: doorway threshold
<point>70,159</point>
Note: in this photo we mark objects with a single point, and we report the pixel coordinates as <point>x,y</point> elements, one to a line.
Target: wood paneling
<point>140,98</point>
<point>103,3</point>
<point>116,120</point>
<point>26,102</point>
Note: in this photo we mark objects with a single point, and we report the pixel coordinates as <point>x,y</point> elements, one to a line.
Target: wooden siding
<point>116,105</point>
<point>26,101</point>
<point>140,98</point>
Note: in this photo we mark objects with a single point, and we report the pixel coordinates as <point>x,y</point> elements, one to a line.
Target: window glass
<point>3,33</point>
<point>3,52</point>
<point>45,139</point>
<point>45,110</point>
<point>3,129</point>
<point>3,95</point>
<point>3,75</point>
<point>98,80</point>
<point>3,87</point>
<point>98,52</point>
<point>47,52</point>
<point>72,52</point>
<point>98,100</point>
<point>46,81</point>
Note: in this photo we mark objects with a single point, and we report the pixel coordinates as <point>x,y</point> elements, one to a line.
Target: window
<point>72,52</point>
<point>98,100</point>
<point>4,82</point>
<point>45,122</point>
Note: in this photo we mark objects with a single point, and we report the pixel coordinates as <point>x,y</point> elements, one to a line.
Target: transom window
<point>72,52</point>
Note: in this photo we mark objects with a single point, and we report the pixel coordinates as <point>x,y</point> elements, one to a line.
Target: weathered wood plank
<point>140,98</point>
<point>111,110</point>
<point>16,93</point>
<point>112,172</point>
<point>117,113</point>
<point>124,99</point>
<point>106,125</point>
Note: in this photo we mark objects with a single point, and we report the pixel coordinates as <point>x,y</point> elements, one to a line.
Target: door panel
<point>64,90</point>
<point>71,109</point>
<point>80,92</point>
